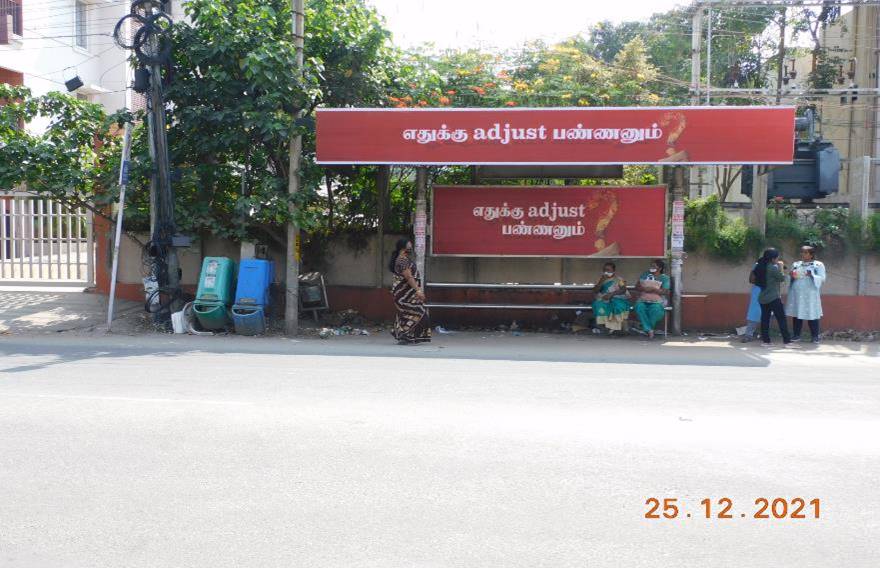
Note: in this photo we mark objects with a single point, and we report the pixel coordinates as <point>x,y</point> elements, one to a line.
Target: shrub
<point>873,240</point>
<point>709,229</point>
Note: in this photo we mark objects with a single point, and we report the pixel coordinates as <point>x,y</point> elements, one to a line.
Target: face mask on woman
<point>652,270</point>
<point>609,274</point>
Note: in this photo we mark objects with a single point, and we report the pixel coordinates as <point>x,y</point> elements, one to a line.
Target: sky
<point>504,24</point>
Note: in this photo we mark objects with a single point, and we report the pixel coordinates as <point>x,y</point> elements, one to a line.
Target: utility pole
<point>678,172</point>
<point>696,82</point>
<point>166,227</point>
<point>291,306</point>
<point>780,61</point>
<point>152,47</point>
<point>696,51</point>
<point>709,58</point>
<point>677,248</point>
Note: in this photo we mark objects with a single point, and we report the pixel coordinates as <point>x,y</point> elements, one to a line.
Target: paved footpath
<point>54,310</point>
<point>477,450</point>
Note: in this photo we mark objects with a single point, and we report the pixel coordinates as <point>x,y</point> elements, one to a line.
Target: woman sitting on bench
<point>611,306</point>
<point>653,289</point>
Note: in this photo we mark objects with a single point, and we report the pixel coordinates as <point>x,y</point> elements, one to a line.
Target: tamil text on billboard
<point>602,222</point>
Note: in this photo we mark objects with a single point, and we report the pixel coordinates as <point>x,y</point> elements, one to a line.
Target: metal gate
<point>45,243</point>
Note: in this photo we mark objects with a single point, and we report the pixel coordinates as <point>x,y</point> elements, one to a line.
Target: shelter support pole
<point>758,219</point>
<point>421,220</point>
<point>678,185</point>
<point>383,179</point>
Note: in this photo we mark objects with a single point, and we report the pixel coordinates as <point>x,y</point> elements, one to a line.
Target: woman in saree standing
<point>611,308</point>
<point>653,289</point>
<point>412,324</point>
<point>804,294</point>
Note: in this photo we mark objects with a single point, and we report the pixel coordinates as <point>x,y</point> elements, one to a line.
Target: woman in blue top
<point>653,289</point>
<point>753,314</point>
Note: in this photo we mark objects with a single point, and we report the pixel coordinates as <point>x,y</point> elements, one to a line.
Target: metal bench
<point>515,286</point>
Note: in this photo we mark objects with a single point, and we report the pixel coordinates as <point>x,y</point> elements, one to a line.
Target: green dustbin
<point>211,315</point>
<point>217,280</point>
<point>215,292</point>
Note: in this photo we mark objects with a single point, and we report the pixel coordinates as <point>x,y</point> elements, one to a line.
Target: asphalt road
<point>474,451</point>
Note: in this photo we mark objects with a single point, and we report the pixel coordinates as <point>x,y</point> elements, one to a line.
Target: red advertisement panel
<point>638,135</point>
<point>602,222</point>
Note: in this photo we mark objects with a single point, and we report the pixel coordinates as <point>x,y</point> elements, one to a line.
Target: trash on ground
<point>345,318</point>
<point>328,332</point>
<point>442,330</point>
<point>851,335</point>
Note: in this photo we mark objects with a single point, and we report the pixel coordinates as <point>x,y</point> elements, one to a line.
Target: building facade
<point>45,43</point>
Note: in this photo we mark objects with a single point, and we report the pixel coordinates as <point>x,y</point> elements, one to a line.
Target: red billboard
<point>601,222</point>
<point>587,136</point>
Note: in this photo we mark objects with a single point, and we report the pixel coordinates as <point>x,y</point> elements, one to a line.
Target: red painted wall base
<point>704,312</point>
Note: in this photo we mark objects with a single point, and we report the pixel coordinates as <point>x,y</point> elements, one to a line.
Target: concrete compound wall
<point>702,274</point>
<point>716,292</point>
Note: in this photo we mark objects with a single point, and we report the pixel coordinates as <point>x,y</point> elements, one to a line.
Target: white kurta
<point>804,294</point>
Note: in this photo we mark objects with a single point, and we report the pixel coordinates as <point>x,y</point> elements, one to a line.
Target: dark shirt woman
<point>412,324</point>
<point>769,274</point>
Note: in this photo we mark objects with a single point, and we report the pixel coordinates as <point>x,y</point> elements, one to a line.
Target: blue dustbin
<point>249,320</point>
<point>254,278</point>
<point>252,296</point>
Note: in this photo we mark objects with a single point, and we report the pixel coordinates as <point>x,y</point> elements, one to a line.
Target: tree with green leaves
<point>234,99</point>
<point>73,161</point>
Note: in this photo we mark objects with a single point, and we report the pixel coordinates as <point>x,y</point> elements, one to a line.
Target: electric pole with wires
<point>146,30</point>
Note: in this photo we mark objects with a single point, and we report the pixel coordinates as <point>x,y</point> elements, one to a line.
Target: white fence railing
<point>44,242</point>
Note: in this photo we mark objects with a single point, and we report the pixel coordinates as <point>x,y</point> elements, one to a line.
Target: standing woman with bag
<point>769,275</point>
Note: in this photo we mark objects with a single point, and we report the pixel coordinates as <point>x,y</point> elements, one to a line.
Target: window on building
<point>11,20</point>
<point>80,24</point>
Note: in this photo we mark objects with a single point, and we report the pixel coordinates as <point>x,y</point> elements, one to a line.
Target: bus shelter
<point>572,221</point>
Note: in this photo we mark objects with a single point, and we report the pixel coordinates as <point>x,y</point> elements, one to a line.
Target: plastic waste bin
<point>211,315</point>
<point>249,320</point>
<point>217,280</point>
<point>254,277</point>
<point>214,295</point>
<point>252,296</point>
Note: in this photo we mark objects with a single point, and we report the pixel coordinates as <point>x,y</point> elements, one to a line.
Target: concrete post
<point>860,191</point>
<point>291,306</point>
<point>677,257</point>
<point>758,218</point>
<point>248,250</point>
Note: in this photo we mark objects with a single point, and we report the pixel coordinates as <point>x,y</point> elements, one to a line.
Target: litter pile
<point>852,335</point>
<point>327,332</point>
